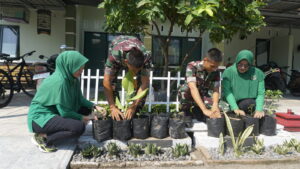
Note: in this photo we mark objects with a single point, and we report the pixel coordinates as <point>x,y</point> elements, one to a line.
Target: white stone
<point>197,127</point>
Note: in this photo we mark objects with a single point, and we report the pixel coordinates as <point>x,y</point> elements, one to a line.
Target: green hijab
<point>242,85</point>
<point>62,87</point>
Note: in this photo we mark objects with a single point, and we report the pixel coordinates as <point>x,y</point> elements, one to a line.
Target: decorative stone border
<point>208,159</point>
<point>196,161</point>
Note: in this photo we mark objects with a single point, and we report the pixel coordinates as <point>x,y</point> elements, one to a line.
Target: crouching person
<point>201,76</point>
<point>54,113</point>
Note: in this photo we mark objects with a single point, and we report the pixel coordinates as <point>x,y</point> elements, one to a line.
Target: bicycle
<point>10,83</point>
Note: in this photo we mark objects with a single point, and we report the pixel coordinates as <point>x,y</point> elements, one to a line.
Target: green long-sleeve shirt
<point>237,86</point>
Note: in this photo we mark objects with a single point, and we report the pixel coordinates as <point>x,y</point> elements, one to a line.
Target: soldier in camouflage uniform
<point>201,77</point>
<point>129,53</point>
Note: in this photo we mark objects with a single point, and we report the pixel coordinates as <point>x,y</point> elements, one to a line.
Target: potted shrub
<point>102,128</point>
<point>159,122</point>
<point>237,124</point>
<point>268,122</point>
<point>176,124</point>
<point>122,128</point>
<point>141,124</point>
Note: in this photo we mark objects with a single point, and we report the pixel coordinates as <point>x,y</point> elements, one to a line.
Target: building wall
<point>43,44</point>
<point>279,39</point>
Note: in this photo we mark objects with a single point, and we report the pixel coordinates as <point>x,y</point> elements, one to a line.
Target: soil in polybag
<point>268,125</point>
<point>159,126</point>
<point>215,126</point>
<point>177,128</point>
<point>102,129</point>
<point>141,127</point>
<point>252,121</point>
<point>122,130</point>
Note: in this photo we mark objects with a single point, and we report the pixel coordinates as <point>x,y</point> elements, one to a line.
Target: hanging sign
<point>43,21</point>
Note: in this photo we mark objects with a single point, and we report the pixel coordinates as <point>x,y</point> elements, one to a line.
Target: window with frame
<point>10,40</point>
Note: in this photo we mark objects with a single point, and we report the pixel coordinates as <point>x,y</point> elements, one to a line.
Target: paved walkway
<point>17,151</point>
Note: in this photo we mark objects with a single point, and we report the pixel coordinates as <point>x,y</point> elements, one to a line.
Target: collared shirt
<point>204,81</point>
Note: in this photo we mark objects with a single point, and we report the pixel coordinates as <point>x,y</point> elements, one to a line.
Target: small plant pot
<point>102,129</point>
<point>215,126</point>
<point>159,126</point>
<point>188,120</point>
<point>141,127</point>
<point>237,125</point>
<point>122,130</point>
<point>268,125</point>
<point>177,128</point>
<point>252,121</point>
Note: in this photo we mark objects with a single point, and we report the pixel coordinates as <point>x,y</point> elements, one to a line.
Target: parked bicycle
<point>11,81</point>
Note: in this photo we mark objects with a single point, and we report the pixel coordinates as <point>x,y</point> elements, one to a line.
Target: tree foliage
<point>221,18</point>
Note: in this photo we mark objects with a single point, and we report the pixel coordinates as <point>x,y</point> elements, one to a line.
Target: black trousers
<point>247,105</point>
<point>59,128</point>
<point>195,112</point>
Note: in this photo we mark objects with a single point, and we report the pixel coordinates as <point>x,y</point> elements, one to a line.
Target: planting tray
<point>291,122</point>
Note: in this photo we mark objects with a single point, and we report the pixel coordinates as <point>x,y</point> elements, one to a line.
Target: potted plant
<point>250,120</point>
<point>237,124</point>
<point>141,124</point>
<point>122,128</point>
<point>268,122</point>
<point>159,122</point>
<point>176,124</point>
<point>102,128</point>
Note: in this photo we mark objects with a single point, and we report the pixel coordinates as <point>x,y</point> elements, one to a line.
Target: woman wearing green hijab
<point>54,111</point>
<point>243,86</point>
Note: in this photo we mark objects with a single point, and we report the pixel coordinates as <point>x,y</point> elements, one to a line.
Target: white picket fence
<point>87,77</point>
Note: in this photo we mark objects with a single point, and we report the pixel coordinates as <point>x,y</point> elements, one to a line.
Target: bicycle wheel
<point>6,88</point>
<point>28,85</point>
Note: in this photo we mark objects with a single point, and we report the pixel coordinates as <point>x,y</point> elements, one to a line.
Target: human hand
<point>101,110</point>
<point>116,114</point>
<point>239,112</point>
<point>130,112</point>
<point>259,114</point>
<point>216,109</point>
<point>208,113</point>
<point>85,119</point>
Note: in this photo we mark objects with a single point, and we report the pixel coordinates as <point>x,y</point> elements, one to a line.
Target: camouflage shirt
<point>205,81</point>
<point>117,54</point>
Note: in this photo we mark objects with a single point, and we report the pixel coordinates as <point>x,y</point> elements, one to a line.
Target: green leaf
<point>229,127</point>
<point>199,11</point>
<point>118,104</point>
<point>188,19</point>
<point>142,3</point>
<point>245,135</point>
<point>101,5</point>
<point>139,95</point>
<point>209,12</point>
<point>127,83</point>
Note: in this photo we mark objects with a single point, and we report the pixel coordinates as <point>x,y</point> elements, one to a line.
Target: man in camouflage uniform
<point>129,53</point>
<point>201,76</point>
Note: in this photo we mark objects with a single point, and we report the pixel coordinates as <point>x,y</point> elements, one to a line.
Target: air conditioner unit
<point>15,14</point>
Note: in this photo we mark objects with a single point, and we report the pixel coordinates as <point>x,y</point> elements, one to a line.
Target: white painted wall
<point>233,47</point>
<point>43,44</point>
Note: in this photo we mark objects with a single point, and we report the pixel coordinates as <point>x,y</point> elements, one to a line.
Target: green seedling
<point>258,146</point>
<point>298,148</point>
<point>135,150</point>
<point>239,142</point>
<point>180,150</point>
<point>272,96</point>
<point>152,149</point>
<point>113,149</point>
<point>282,150</point>
<point>221,148</point>
<point>103,114</point>
<point>91,151</point>
<point>128,83</point>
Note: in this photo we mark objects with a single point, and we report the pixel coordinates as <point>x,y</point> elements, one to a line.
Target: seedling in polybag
<point>128,83</point>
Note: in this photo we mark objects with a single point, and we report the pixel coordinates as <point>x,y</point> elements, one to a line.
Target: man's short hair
<point>215,55</point>
<point>135,58</point>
